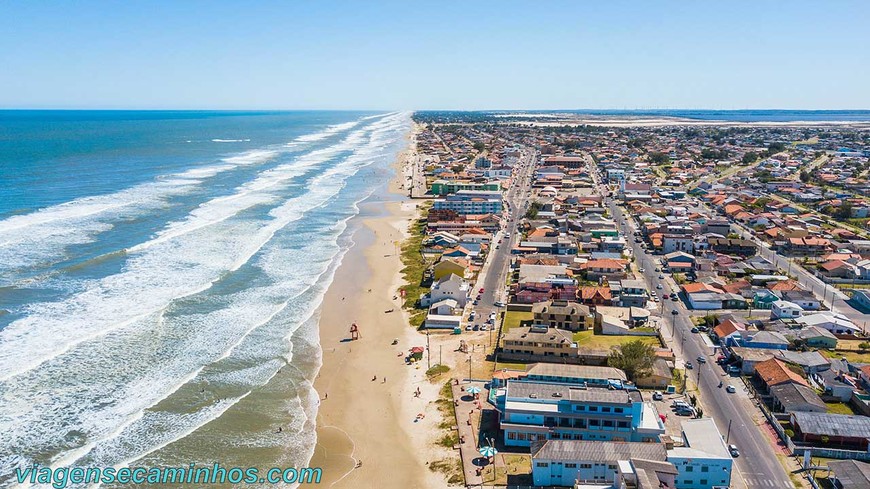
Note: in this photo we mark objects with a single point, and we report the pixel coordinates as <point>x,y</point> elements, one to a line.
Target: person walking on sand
<point>374,378</point>
<point>384,381</point>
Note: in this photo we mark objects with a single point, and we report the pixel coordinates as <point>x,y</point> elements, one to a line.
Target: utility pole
<point>728,436</point>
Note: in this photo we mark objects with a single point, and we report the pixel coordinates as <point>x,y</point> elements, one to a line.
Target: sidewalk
<point>467,423</point>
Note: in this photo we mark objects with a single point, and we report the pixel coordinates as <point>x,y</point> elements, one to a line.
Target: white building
<point>450,287</point>
<point>703,462</point>
<point>785,310</point>
<point>835,323</point>
<point>564,462</point>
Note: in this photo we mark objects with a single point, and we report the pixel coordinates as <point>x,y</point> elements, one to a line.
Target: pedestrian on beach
<point>384,381</point>
<point>374,378</point>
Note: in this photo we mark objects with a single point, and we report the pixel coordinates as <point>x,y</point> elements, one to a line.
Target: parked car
<point>701,359</point>
<point>661,277</point>
<point>694,330</point>
<point>476,327</point>
<point>659,286</point>
<point>658,396</point>
<point>730,389</point>
<point>733,369</point>
<point>498,304</point>
<point>689,365</point>
<point>641,270</point>
<point>732,449</point>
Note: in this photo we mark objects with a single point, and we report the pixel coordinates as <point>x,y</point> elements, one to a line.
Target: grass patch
<point>588,339</point>
<point>839,408</point>
<point>437,371</point>
<point>515,466</point>
<point>451,468</point>
<point>852,357</point>
<point>415,264</point>
<point>512,319</point>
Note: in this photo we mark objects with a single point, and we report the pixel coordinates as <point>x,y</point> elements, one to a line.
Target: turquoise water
<point>160,274</point>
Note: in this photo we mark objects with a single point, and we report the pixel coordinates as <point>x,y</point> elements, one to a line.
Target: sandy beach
<point>367,427</point>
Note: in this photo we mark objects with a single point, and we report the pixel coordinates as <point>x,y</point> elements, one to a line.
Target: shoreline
<point>367,431</point>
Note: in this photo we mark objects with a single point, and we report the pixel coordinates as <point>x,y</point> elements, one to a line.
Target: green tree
<point>534,208</point>
<point>479,146</point>
<point>844,211</point>
<point>774,148</point>
<point>864,346</point>
<point>635,358</point>
<point>749,158</point>
<point>805,176</point>
<point>658,158</point>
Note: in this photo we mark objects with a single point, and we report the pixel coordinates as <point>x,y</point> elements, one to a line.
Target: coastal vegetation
<point>635,358</point>
<point>415,266</point>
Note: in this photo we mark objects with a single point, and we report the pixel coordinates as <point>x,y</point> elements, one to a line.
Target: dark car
<point>694,330</point>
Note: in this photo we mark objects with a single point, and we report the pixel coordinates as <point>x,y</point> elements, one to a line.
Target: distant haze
<point>435,55</point>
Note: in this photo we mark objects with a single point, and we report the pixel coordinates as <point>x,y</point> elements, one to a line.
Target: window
<point>512,435</point>
<point>594,422</point>
<point>593,409</point>
<point>570,466</point>
<point>689,468</point>
<point>622,424</point>
<point>607,423</point>
<point>605,409</point>
<point>704,468</point>
<point>618,410</point>
<point>703,482</point>
<point>585,466</point>
<point>542,464</point>
<point>611,467</point>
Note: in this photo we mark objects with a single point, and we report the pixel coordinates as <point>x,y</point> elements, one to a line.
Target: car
<point>661,277</point>
<point>480,291</point>
<point>498,304</point>
<point>472,315</point>
<point>497,246</point>
<point>659,286</point>
<point>694,330</point>
<point>655,299</point>
<point>657,270</point>
<point>733,369</point>
<point>484,327</point>
<point>641,270</point>
<point>658,396</point>
<point>689,365</point>
<point>468,328</point>
<point>476,327</point>
<point>732,449</point>
<point>679,402</point>
<point>703,329</point>
<point>701,359</point>
<point>730,389</point>
<point>474,303</point>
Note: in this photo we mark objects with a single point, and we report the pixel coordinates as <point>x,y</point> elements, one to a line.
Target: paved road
<point>830,295</point>
<point>492,277</point>
<point>757,465</point>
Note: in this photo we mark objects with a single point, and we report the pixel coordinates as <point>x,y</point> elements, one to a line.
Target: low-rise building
<point>539,341</point>
<point>563,314</point>
<point>703,462</point>
<point>569,462</point>
<point>540,411</point>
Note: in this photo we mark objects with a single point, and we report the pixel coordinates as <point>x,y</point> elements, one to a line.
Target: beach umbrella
<point>473,390</point>
<point>488,451</point>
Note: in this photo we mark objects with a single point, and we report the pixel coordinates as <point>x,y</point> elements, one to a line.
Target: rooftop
<point>597,451</point>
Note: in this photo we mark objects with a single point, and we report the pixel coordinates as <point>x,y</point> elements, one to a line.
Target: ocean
<point>160,274</point>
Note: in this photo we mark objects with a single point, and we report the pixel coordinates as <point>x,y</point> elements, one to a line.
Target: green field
<point>839,408</point>
<point>588,339</point>
<point>512,319</point>
<point>852,357</point>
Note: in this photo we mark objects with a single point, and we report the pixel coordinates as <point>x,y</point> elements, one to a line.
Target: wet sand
<point>368,435</point>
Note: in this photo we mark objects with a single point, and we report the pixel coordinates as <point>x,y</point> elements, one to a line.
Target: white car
<point>730,389</point>
<point>658,396</point>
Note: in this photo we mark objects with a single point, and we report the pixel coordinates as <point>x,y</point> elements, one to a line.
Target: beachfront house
<point>703,462</point>
<point>449,287</point>
<point>569,462</point>
<point>539,411</point>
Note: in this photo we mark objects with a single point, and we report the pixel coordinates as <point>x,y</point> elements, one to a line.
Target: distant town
<point>643,303</point>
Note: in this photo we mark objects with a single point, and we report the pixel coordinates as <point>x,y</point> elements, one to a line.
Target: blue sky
<point>435,55</point>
